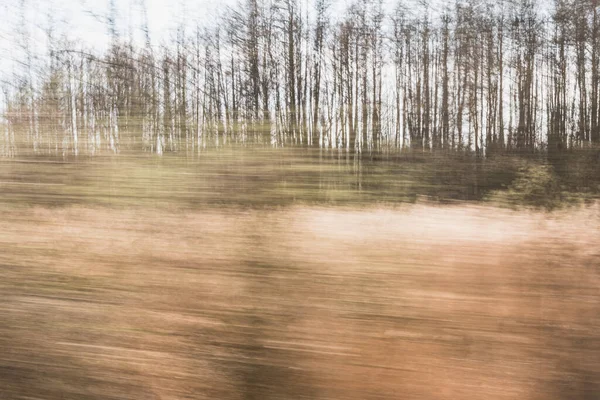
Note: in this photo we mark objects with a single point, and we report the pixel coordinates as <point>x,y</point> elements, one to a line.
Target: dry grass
<point>418,302</point>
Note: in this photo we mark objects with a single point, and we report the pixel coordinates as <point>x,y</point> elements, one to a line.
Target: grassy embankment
<point>273,177</point>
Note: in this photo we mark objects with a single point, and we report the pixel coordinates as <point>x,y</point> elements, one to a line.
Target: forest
<point>472,76</point>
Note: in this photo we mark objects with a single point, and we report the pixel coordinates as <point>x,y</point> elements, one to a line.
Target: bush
<point>536,185</point>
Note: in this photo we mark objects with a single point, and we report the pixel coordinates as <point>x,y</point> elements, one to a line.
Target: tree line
<point>477,76</point>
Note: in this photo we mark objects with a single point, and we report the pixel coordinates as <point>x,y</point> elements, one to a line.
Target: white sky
<point>84,21</point>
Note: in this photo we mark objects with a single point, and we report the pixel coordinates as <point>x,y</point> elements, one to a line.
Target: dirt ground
<point>418,302</point>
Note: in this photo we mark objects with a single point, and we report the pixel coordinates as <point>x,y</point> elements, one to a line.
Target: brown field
<point>415,302</point>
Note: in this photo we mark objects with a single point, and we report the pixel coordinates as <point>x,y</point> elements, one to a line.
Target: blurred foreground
<point>411,302</point>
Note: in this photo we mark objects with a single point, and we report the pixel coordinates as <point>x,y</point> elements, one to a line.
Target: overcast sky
<point>84,21</point>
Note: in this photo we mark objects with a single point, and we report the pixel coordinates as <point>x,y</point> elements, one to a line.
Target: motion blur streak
<point>406,302</point>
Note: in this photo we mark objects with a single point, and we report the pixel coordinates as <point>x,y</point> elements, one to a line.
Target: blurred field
<point>277,177</point>
<point>303,302</point>
<point>262,177</point>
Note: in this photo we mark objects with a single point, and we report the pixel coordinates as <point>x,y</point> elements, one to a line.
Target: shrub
<point>536,186</point>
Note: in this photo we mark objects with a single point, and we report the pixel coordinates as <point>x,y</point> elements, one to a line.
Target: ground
<point>411,301</point>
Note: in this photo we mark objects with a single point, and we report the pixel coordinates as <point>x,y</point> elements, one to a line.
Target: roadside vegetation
<point>259,177</point>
